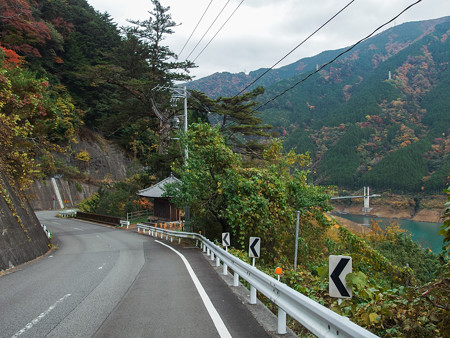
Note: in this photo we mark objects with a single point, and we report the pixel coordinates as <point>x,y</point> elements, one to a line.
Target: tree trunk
<point>164,138</point>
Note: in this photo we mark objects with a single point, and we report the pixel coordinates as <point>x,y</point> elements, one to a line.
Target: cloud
<point>263,31</point>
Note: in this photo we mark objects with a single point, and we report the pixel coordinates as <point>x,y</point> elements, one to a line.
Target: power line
<point>192,51</point>
<point>182,49</point>
<point>344,52</point>
<point>220,30</point>
<point>301,43</point>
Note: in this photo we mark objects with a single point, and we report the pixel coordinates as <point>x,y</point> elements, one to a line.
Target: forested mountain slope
<point>378,116</point>
<point>360,125</point>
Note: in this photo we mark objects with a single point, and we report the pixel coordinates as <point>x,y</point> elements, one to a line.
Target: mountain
<point>378,116</point>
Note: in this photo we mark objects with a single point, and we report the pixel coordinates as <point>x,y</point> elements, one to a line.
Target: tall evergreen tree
<point>237,120</point>
<point>145,69</point>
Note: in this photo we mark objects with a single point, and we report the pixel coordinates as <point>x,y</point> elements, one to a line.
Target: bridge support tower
<point>366,207</point>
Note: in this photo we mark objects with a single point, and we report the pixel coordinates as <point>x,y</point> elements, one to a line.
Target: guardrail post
<point>171,239</point>
<point>204,247</point>
<point>252,294</point>
<point>196,243</point>
<point>236,279</point>
<point>281,321</point>
<point>212,255</point>
<point>179,240</point>
<point>217,261</point>
<point>208,252</point>
<point>225,269</point>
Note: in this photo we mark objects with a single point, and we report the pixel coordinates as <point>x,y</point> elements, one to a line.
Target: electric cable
<point>220,30</point>
<point>300,44</point>
<point>339,55</point>
<point>192,51</point>
<point>196,26</point>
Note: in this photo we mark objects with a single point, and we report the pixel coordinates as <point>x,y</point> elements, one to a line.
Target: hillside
<point>377,116</point>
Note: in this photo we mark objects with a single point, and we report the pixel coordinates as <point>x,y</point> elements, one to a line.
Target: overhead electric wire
<point>333,60</point>
<point>301,43</point>
<point>220,30</point>
<point>196,26</point>
<point>192,51</point>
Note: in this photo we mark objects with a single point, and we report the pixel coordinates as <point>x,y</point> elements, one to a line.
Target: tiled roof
<point>158,190</point>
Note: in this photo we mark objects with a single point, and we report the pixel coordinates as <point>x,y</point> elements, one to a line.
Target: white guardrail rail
<point>315,317</point>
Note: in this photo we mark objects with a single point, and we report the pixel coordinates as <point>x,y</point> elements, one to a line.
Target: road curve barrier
<point>47,232</point>
<point>68,213</point>
<point>315,317</point>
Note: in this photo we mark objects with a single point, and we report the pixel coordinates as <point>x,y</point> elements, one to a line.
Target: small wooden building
<point>162,207</point>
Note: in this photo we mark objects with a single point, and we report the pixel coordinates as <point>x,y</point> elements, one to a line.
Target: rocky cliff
<point>91,162</point>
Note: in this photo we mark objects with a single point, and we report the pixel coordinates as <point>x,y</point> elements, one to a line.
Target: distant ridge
<point>378,115</point>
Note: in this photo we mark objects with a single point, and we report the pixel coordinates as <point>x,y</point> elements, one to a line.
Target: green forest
<point>67,71</point>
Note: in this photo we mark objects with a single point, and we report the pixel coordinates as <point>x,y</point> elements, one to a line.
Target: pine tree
<point>146,69</point>
<point>237,120</point>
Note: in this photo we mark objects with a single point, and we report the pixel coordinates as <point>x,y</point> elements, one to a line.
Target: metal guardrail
<point>315,317</point>
<point>68,212</point>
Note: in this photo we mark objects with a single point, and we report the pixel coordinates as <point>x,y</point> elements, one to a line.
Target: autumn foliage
<point>20,30</point>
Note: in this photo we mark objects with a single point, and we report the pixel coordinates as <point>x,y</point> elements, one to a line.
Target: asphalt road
<point>107,282</point>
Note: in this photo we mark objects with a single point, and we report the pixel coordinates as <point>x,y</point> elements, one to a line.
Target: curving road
<point>106,282</point>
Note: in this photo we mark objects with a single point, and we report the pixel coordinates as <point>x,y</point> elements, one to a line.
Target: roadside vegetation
<point>399,289</point>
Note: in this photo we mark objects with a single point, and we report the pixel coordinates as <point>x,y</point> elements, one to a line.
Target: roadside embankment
<point>21,235</point>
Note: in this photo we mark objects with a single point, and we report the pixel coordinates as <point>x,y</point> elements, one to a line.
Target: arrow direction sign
<point>254,247</point>
<point>340,266</point>
<point>225,239</point>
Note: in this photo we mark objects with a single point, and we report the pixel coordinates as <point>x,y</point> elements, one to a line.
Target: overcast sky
<point>262,31</point>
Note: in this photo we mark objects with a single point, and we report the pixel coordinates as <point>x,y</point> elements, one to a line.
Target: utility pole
<point>181,93</point>
<point>296,240</point>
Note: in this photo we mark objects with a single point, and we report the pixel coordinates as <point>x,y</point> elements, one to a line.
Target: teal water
<point>425,233</point>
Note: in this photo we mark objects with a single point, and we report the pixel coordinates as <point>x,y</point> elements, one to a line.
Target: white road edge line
<point>40,317</point>
<point>217,320</point>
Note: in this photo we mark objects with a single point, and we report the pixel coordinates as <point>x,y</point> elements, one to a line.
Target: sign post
<point>226,240</point>
<point>296,240</point>
<point>254,248</point>
<point>339,267</point>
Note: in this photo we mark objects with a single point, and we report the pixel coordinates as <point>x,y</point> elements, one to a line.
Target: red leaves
<point>12,59</point>
<point>20,30</point>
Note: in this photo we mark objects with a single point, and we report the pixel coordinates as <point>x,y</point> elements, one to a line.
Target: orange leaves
<point>143,204</point>
<point>12,59</point>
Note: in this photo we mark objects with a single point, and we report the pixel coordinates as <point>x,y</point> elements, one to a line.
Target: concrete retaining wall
<point>42,195</point>
<point>21,236</point>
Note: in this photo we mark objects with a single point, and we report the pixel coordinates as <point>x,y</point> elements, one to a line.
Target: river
<point>425,233</point>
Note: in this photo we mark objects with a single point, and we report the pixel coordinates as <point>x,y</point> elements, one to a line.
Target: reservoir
<point>424,233</point>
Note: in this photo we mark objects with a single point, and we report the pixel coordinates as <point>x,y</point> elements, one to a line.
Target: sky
<point>261,32</point>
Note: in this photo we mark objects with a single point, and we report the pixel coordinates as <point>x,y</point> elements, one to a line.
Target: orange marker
<point>278,271</point>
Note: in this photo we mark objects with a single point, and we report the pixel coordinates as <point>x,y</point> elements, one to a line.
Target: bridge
<point>111,282</point>
<point>366,196</point>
